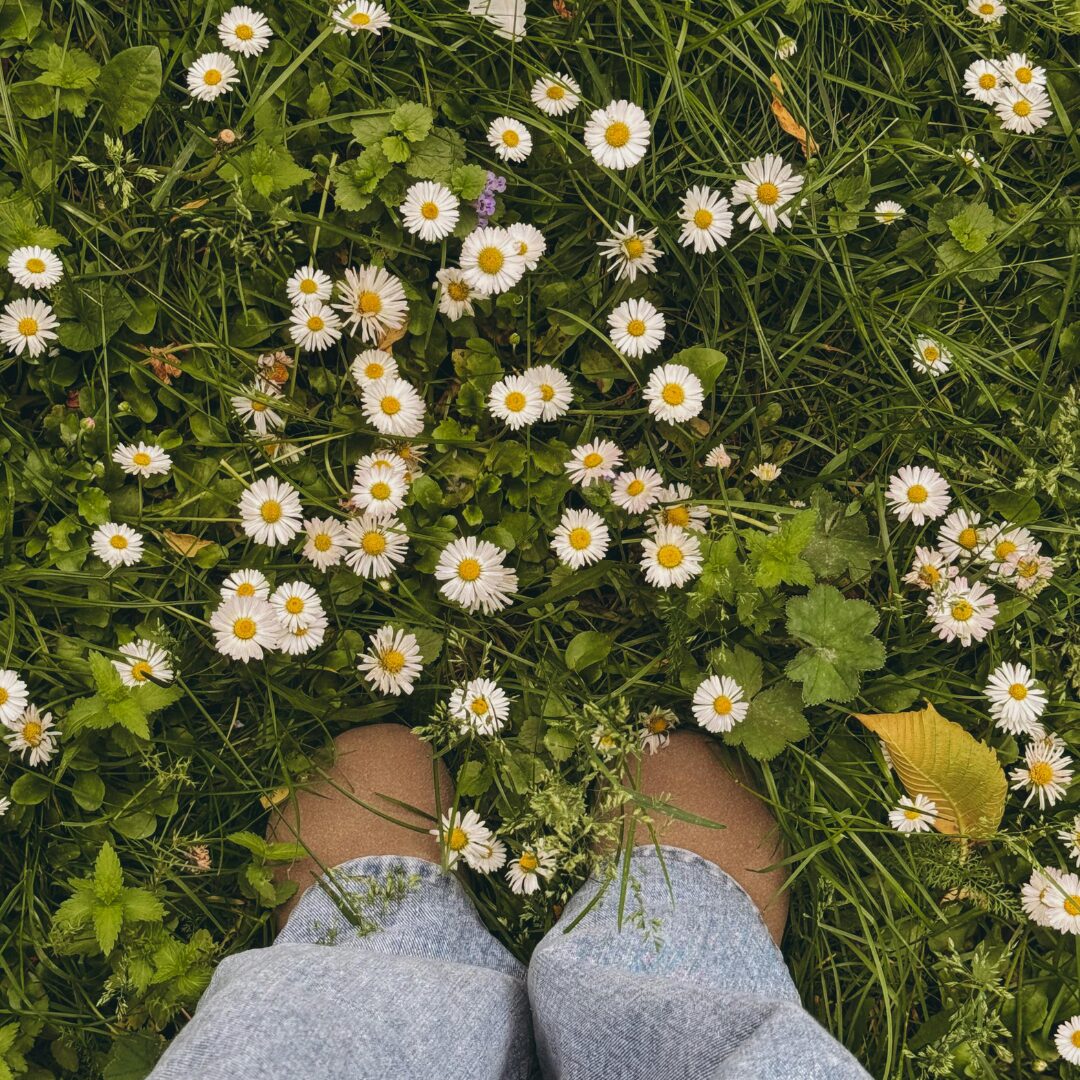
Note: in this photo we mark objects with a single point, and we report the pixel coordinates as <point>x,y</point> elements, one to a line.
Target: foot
<point>338,818</point>
<point>696,775</point>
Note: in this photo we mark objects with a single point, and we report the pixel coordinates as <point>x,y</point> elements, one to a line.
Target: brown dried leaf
<point>386,342</point>
<point>788,122</point>
<point>185,544</point>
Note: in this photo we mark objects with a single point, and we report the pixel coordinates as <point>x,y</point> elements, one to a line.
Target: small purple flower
<point>496,183</point>
<point>485,205</point>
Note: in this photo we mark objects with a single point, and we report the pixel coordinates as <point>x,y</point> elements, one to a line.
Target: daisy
<point>930,570</point>
<point>141,459</point>
<point>392,661</point>
<point>1035,893</point>
<point>244,627</point>
<point>373,301</point>
<point>1016,702</point>
<point>675,509</point>
<point>1027,569</point>
<point>308,283</point>
<point>296,604</point>
<point>1063,904</point>
<point>593,461</point>
<point>524,872</point>
<point>27,324</point>
<point>917,493</point>
<point>670,557</point>
<point>455,293</point>
<point>430,211</point>
<point>244,31</point>
<point>707,220</point>
<point>631,251</point>
<point>556,94</point>
<point>245,584</point>
<point>303,637</point>
<point>1003,542</point>
<point>786,48</point>
<point>718,703</point>
<point>211,76</point>
<point>35,267</point>
<point>982,81</point>
<point>411,458</point>
<point>379,490</point>
<point>960,536</point>
<point>637,490</point>
<point>372,365</point>
<point>491,857</point>
<point>143,660</point>
<point>964,611</point>
<point>324,545</point>
<point>581,538</point>
<point>914,815</point>
<point>1018,69</point>
<point>480,706</point>
<point>274,367</point>
<point>555,390</point>
<point>987,10</point>
<point>769,186</point>
<point>718,458</point>
<point>390,458</point>
<point>674,393</point>
<point>1024,111</point>
<point>656,727</point>
<point>1071,838</point>
<point>31,736</point>
<point>473,575</point>
<point>314,326</point>
<point>931,356</point>
<point>13,696</point>
<point>887,212</point>
<point>375,545</point>
<point>117,545</point>
<point>618,135</point>
<point>969,158</point>
<point>517,400</point>
<point>463,836</point>
<point>766,472</point>
<point>491,261</point>
<point>1046,772</point>
<point>270,512</point>
<point>530,241</point>
<point>603,740</point>
<point>5,805</point>
<point>1067,1040</point>
<point>510,139</point>
<point>252,407</point>
<point>393,407</point>
<point>356,16</point>
<point>637,328</point>
<point>507,16</point>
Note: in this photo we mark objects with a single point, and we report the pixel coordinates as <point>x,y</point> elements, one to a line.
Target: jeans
<point>413,987</point>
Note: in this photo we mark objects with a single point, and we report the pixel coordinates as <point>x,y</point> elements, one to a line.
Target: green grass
<point>913,952</point>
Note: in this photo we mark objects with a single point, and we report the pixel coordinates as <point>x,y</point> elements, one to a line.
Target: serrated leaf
<point>413,120</point>
<point>141,905</point>
<point>973,227</point>
<point>129,85</point>
<point>252,841</point>
<point>937,758</point>
<point>368,130</point>
<point>108,919</point>
<point>774,720</point>
<point>108,875</point>
<point>777,557</point>
<point>840,543</point>
<point>438,157</point>
<point>396,149</point>
<point>468,181</point>
<point>68,69</point>
<point>94,506</point>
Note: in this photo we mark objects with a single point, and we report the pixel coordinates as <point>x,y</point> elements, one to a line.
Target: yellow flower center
<point>556,92</point>
<point>35,266</point>
<point>673,394</point>
<point>677,515</point>
<point>244,32</point>
<point>669,556</point>
<point>579,538</point>
<point>141,458</point>
<point>931,354</point>
<point>1018,691</point>
<point>393,660</point>
<point>1040,775</point>
<point>986,9</point>
<point>457,839</point>
<point>246,589</point>
<point>309,286</point>
<point>1075,1038</point>
<point>961,610</point>
<point>28,327</point>
<point>458,291</point>
<point>369,303</point>
<point>911,813</point>
<point>390,405</point>
<point>322,542</point>
<point>658,724</point>
<point>515,401</point>
<point>722,705</point>
<point>479,705</point>
<point>212,77</point>
<point>547,391</point>
<point>617,134</point>
<point>592,460</point>
<point>635,487</point>
<point>510,137</point>
<point>929,575</point>
<point>316,323</point>
<point>703,218</point>
<point>634,247</point>
<point>528,862</point>
<point>141,671</point>
<point>1003,549</point>
<point>917,494</point>
<point>373,543</point>
<point>359,18</point>
<point>429,211</point>
<point>768,194</point>
<point>968,538</point>
<point>4,695</point>
<point>374,370</point>
<point>490,260</point>
<point>1027,568</point>
<point>380,490</point>
<point>294,605</point>
<point>635,327</point>
<point>118,541</point>
<point>523,248</point>
<point>31,732</point>
<point>1023,74</point>
<point>244,629</point>
<point>270,511</point>
<point>1022,107</point>
<point>987,81</point>
<point>468,569</point>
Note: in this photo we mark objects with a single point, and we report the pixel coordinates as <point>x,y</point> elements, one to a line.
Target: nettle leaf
<point>841,540</point>
<point>370,129</point>
<point>777,557</point>
<point>20,225</point>
<point>69,69</point>
<point>413,120</point>
<point>439,157</point>
<point>129,85</point>
<point>108,875</point>
<point>271,169</point>
<point>973,226</point>
<point>937,758</point>
<point>468,181</point>
<point>775,719</point>
<point>839,644</point>
<point>108,919</point>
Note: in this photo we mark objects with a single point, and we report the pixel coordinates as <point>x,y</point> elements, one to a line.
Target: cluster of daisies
<point>27,730</point>
<point>29,325</point>
<point>1014,87</point>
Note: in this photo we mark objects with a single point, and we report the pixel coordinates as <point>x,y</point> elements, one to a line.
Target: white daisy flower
<point>517,400</point>
<point>963,611</point>
<point>766,471</point>
<point>510,139</point>
<point>914,815</point>
<point>249,584</point>
<point>1046,773</point>
<point>707,220</point>
<point>507,16</point>
<point>455,293</point>
<point>142,459</point>
<point>1016,702</point>
<point>27,324</point>
<point>670,557</point>
<point>1063,904</point>
<point>930,356</point>
<point>33,735</point>
<point>524,872</point>
<point>308,283</point>
<point>581,538</point>
<point>480,706</point>
<point>656,727</point>
<point>244,31</point>
<point>593,461</point>
<point>303,637</point>
<point>917,493</point>
<point>1023,112</point>
<point>769,186</point>
<point>888,211</point>
<point>117,545</point>
<point>718,703</point>
<point>430,211</point>
<point>1067,1040</point>
<point>1027,569</point>
<point>982,81</point>
<point>13,696</point>
<point>375,545</point>
<point>603,740</point>
<point>490,857</point>
<point>270,512</point>
<point>35,267</point>
<point>987,10</point>
<point>631,251</point>
<point>253,407</point>
<point>930,569</point>
<point>491,261</point>
<point>392,662</point>
<point>324,546</point>
<point>1035,892</point>
<point>244,628</point>
<point>5,805</point>
<point>1003,541</point>
<point>617,136</point>
<point>372,301</point>
<point>676,509</point>
<point>718,458</point>
<point>960,536</point>
<point>786,47</point>
<point>380,490</point>
<point>393,407</point>
<point>556,94</point>
<point>969,158</point>
<point>372,365</point>
<point>212,75</point>
<point>555,390</point>
<point>314,326</point>
<point>464,836</point>
<point>385,456</point>
<point>636,327</point>
<point>473,575</point>
<point>1071,838</point>
<point>635,491</point>
<point>360,16</point>
<point>143,660</point>
<point>1017,69</point>
<point>296,604</point>
<point>531,243</point>
<point>674,393</point>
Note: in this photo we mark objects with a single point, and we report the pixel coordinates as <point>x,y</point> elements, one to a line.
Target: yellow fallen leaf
<point>275,798</point>
<point>185,544</point>
<point>389,337</point>
<point>788,122</point>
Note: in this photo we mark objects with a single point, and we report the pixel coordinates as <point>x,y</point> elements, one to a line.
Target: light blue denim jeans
<point>410,985</point>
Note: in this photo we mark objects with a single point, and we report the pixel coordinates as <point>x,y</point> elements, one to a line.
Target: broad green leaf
<point>841,541</point>
<point>129,85</point>
<point>136,826</point>
<point>94,506</point>
<point>973,227</point>
<point>473,779</point>
<point>108,919</point>
<point>937,758</point>
<point>413,120</point>
<point>68,69</point>
<point>132,1056</point>
<point>396,149</point>
<point>108,876</point>
<point>106,677</point>
<point>19,19</point>
<point>30,789</point>
<point>438,157</point>
<point>270,169</point>
<point>468,181</point>
<point>775,719</point>
<point>705,363</point>
<point>252,841</point>
<point>587,648</point>
<point>368,130</point>
<point>559,742</point>
<point>141,905</point>
<point>777,557</point>
<point>88,790</point>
